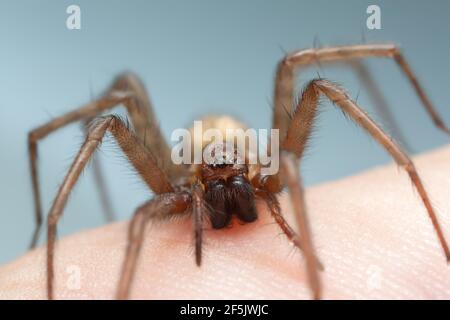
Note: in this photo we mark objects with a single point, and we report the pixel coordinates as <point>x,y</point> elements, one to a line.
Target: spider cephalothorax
<point>228,189</point>
<point>227,185</point>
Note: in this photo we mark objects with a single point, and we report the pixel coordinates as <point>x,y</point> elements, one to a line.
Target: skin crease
<point>371,233</point>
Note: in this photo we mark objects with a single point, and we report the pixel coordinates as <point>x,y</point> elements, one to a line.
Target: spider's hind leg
<point>295,142</point>
<point>284,97</point>
<point>128,90</point>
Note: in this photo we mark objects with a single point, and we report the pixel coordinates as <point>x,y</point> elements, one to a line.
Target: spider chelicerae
<point>217,192</point>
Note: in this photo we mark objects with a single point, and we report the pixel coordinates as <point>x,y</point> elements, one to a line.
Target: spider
<point>219,191</point>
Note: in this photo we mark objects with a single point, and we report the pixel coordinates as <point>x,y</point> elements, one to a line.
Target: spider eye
<point>219,155</point>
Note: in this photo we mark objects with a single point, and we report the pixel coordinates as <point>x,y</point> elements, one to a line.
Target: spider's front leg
<point>162,206</point>
<point>138,155</point>
<point>267,187</point>
<point>293,146</point>
<point>159,207</point>
<point>198,211</point>
<point>274,207</point>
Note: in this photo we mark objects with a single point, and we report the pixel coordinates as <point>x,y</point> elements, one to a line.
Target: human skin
<point>370,231</point>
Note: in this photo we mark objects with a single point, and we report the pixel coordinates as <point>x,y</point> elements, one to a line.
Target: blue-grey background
<point>194,57</point>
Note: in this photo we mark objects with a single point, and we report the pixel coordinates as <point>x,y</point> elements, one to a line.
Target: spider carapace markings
<point>219,190</point>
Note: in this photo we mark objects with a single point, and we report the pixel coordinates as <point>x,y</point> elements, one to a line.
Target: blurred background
<point>196,57</point>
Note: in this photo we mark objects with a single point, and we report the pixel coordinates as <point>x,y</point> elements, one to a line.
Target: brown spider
<point>216,191</point>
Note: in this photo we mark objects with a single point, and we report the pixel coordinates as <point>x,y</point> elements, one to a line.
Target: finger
<point>370,233</point>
